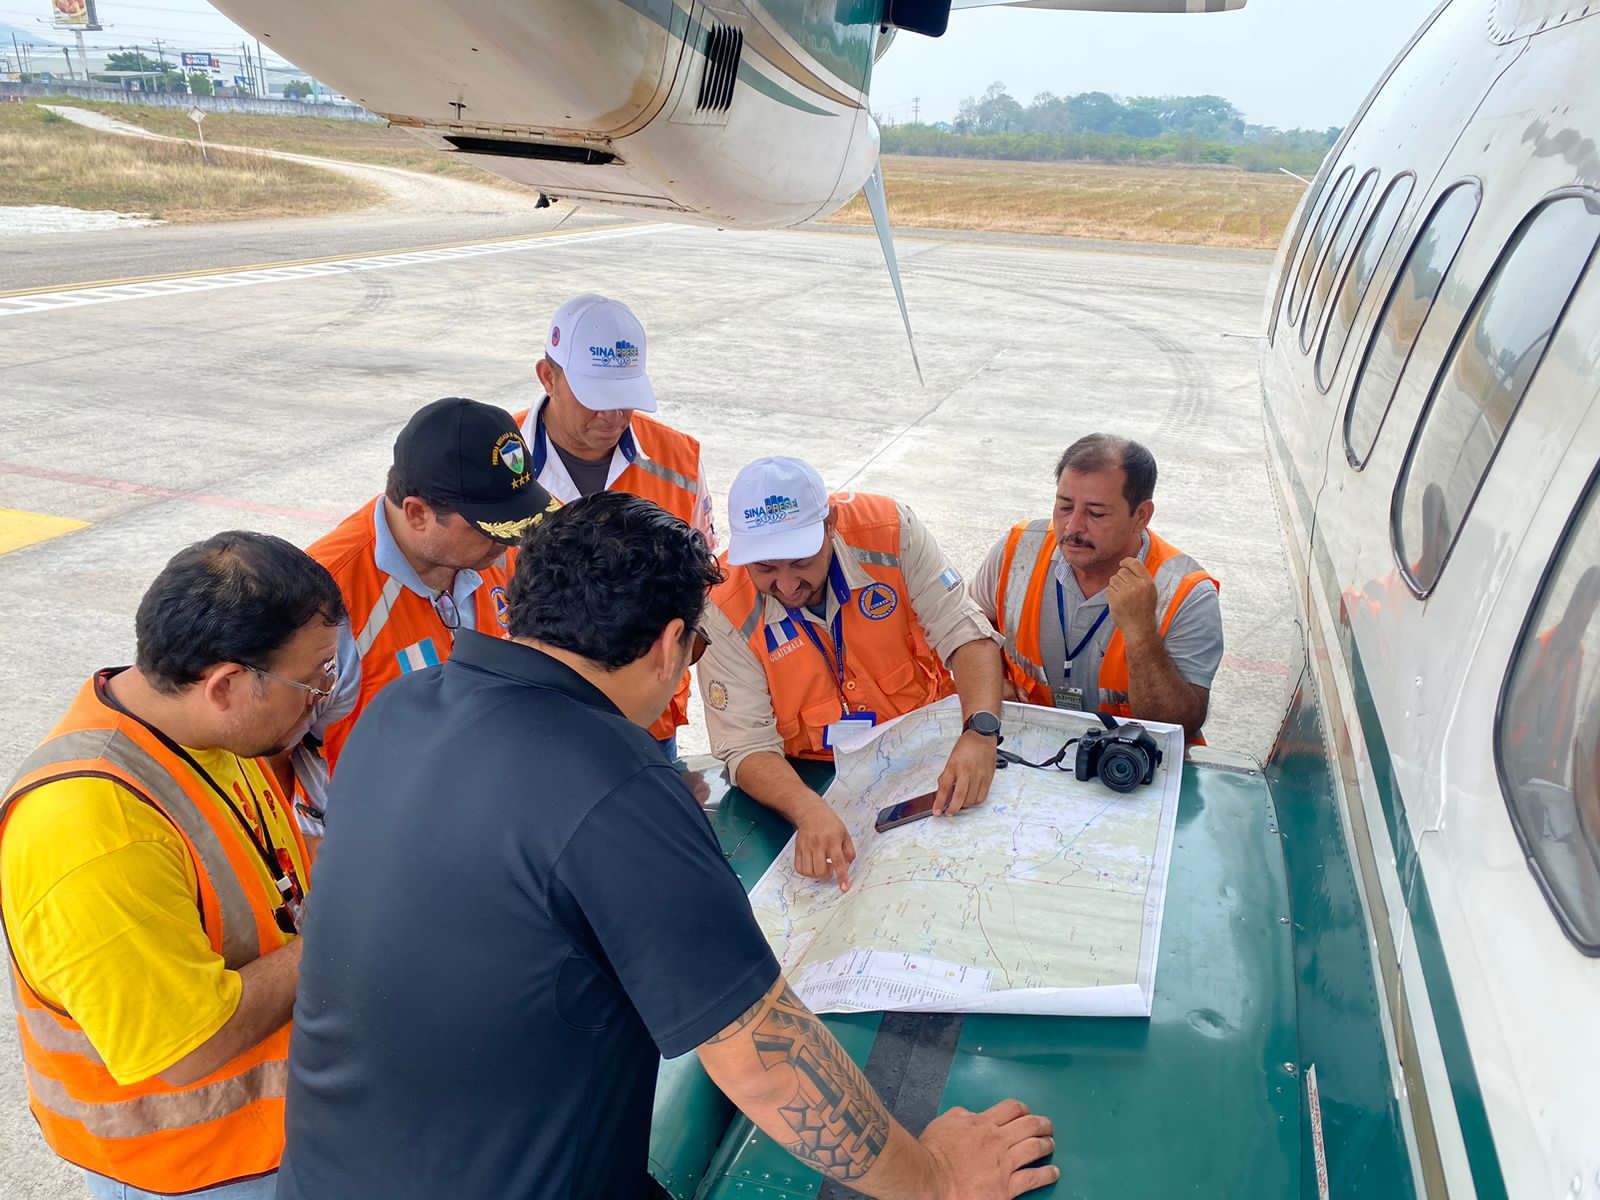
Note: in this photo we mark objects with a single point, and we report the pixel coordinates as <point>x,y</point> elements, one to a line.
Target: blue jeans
<point>102,1188</point>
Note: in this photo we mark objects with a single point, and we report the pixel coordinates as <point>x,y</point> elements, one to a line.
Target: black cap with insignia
<point>470,457</point>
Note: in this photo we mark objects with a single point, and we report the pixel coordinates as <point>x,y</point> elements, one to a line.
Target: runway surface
<point>236,392</point>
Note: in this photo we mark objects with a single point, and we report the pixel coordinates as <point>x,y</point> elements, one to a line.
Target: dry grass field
<point>46,159</point>
<point>352,141</point>
<point>1203,206</point>
<point>1208,206</point>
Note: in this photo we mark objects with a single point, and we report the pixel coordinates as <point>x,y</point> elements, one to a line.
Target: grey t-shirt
<point>587,477</point>
<point>1193,642</point>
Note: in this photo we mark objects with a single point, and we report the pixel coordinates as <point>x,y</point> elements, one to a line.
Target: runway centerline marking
<point>110,291</point>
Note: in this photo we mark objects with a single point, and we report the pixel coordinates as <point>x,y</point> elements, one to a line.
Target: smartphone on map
<point>905,812</point>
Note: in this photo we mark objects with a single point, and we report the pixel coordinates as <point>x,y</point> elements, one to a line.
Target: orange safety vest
<point>395,630</point>
<point>889,667</point>
<point>228,1126</point>
<point>1025,571</point>
<point>666,470</point>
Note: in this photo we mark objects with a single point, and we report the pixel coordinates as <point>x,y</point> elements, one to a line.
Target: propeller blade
<point>878,202</point>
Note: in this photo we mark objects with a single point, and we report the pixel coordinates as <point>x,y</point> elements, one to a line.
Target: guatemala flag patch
<point>789,633</point>
<point>417,656</point>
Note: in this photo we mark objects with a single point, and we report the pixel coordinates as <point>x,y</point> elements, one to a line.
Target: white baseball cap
<point>599,345</point>
<point>776,511</point>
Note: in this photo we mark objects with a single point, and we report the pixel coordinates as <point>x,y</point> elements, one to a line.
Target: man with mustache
<point>152,881</point>
<point>837,613</point>
<point>1097,612</point>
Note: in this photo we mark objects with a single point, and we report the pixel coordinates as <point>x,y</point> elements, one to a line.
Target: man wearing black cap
<point>425,559</point>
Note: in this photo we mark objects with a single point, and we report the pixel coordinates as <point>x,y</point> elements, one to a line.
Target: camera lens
<point>1123,768</point>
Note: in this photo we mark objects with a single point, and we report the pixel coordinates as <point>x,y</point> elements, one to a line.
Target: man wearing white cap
<point>837,612</point>
<point>589,434</point>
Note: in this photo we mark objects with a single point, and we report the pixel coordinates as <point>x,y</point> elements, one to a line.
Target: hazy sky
<point>1284,62</point>
<point>1289,63</point>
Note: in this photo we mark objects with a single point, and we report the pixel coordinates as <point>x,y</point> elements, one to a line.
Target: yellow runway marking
<point>19,529</point>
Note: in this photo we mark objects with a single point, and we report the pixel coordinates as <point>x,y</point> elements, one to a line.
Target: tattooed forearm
<point>839,1123</point>
<point>742,1021</point>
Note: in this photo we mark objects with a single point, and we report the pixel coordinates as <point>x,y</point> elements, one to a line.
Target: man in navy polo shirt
<point>521,907</point>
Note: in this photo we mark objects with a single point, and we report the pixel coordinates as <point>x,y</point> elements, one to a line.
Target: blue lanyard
<point>541,448</point>
<point>841,591</point>
<point>1061,611</point>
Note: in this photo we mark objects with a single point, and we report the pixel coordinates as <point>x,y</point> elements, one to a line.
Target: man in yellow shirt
<point>152,878</point>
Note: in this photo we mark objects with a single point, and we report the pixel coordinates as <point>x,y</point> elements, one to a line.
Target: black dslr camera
<point>1124,758</point>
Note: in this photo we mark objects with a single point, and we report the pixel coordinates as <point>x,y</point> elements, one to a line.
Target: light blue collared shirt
<point>310,769</point>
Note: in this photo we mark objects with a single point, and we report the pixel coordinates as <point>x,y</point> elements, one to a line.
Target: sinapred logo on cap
<point>555,335</point>
<point>620,355</point>
<point>774,510</point>
<point>510,450</point>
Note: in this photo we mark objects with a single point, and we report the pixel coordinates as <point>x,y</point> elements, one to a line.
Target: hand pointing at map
<point>822,846</point>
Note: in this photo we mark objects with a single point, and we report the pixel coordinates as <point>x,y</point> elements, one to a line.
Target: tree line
<point>1097,125</point>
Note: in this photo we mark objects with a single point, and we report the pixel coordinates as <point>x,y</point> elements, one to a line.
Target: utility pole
<point>22,63</point>
<point>916,110</point>
<point>67,54</point>
<point>262,89</point>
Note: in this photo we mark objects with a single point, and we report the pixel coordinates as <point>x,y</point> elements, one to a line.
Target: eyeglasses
<point>698,645</point>
<point>329,669</point>
<point>444,605</point>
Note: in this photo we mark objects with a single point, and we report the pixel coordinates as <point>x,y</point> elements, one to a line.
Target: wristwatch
<point>985,723</point>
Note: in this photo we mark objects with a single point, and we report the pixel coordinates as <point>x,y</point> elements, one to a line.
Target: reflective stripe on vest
<point>379,616</point>
<point>161,1112</point>
<point>240,944</point>
<point>1023,549</point>
<point>51,1034</point>
<point>877,558</point>
<point>151,1135</point>
<point>890,668</point>
<point>659,471</point>
<point>666,474</point>
<point>751,623</point>
<point>662,467</point>
<point>387,619</point>
<point>1027,569</point>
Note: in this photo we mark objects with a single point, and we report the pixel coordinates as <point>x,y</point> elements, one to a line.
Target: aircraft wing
<point>1110,6</point>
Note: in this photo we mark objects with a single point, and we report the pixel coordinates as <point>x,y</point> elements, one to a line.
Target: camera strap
<point>1004,758</point>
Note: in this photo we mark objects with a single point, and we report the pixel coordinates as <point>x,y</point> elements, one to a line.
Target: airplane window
<point>1368,253</point>
<point>1404,312</point>
<point>1315,243</point>
<point>1547,733</point>
<point>1338,245</point>
<point>1496,352</point>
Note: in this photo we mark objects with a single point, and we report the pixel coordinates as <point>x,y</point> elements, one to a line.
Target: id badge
<point>1068,697</point>
<point>847,728</point>
<point>291,913</point>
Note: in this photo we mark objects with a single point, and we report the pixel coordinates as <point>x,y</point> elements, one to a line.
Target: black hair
<point>237,597</point>
<point>1104,451</point>
<point>397,487</point>
<point>602,577</point>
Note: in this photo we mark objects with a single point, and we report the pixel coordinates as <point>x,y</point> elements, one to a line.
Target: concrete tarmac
<point>155,415</point>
